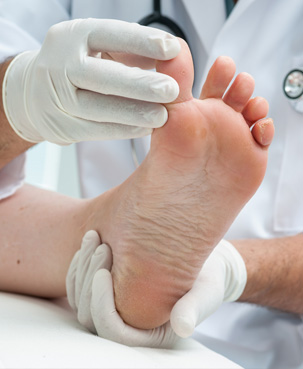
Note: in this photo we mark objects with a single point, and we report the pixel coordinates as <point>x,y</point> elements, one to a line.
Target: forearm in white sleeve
<point>15,41</point>
<point>25,23</point>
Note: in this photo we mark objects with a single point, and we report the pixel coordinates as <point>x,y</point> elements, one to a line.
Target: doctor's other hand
<point>222,279</point>
<point>90,293</point>
<point>89,81</point>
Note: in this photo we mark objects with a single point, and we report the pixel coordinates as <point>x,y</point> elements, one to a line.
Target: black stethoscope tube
<point>157,17</point>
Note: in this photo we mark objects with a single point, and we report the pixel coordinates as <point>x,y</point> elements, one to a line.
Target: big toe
<point>182,70</point>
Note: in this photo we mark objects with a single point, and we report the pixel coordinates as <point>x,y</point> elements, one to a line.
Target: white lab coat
<point>265,38</point>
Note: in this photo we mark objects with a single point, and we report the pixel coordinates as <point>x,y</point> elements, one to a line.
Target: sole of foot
<point>203,166</point>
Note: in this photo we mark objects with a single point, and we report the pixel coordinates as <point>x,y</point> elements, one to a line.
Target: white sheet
<point>37,333</point>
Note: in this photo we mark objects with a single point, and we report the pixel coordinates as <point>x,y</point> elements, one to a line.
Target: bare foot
<point>203,166</point>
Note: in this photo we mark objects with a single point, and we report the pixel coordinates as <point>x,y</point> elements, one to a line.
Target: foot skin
<point>203,166</point>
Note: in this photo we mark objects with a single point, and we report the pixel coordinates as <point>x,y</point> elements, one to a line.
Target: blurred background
<point>53,167</point>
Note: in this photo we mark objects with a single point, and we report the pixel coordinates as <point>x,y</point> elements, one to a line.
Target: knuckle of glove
<point>59,31</point>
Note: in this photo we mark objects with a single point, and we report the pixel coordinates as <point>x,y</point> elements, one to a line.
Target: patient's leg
<point>203,166</point>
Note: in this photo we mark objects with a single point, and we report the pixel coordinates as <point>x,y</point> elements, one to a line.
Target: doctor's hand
<point>83,85</point>
<point>91,295</point>
<point>221,279</point>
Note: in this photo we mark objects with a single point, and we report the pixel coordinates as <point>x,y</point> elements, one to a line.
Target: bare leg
<point>203,166</point>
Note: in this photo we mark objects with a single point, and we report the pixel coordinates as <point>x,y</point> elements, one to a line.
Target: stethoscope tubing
<point>157,17</point>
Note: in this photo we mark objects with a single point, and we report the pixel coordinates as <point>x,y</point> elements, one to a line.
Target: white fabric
<point>38,333</point>
<point>265,39</point>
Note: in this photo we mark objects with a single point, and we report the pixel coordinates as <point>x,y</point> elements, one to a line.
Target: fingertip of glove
<point>90,236</point>
<point>167,89</point>
<point>158,116</point>
<point>162,117</point>
<point>101,249</point>
<point>171,47</point>
<point>103,256</point>
<point>183,326</point>
<point>168,46</point>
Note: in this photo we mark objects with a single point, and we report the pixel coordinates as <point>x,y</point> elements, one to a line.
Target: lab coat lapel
<point>239,29</point>
<point>207,18</point>
<point>242,7</point>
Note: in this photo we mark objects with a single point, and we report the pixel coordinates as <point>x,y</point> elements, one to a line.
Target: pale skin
<point>30,263</point>
<point>29,257</point>
<point>187,192</point>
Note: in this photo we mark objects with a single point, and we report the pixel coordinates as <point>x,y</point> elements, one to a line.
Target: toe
<point>240,92</point>
<point>255,109</point>
<point>263,132</point>
<point>219,77</point>
<point>181,69</point>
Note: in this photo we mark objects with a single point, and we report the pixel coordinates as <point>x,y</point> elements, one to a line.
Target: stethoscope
<point>293,89</point>
<point>156,17</point>
<point>293,84</point>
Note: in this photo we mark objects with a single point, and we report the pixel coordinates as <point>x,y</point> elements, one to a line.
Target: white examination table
<point>37,333</point>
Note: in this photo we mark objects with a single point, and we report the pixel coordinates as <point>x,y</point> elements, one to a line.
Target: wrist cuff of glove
<point>14,90</point>
<point>236,274</point>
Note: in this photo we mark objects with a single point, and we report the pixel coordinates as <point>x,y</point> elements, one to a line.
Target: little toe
<point>255,109</point>
<point>263,132</point>
<point>240,92</point>
<point>219,77</point>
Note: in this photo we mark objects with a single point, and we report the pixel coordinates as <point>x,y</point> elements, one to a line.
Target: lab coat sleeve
<point>24,24</point>
<point>12,176</point>
<point>15,40</point>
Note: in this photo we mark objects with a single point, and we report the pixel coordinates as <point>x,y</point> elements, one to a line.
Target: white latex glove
<point>79,88</point>
<point>222,278</point>
<point>91,295</point>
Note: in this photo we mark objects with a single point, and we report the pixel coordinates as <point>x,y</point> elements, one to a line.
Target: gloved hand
<point>221,279</point>
<point>67,93</point>
<point>91,295</point>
